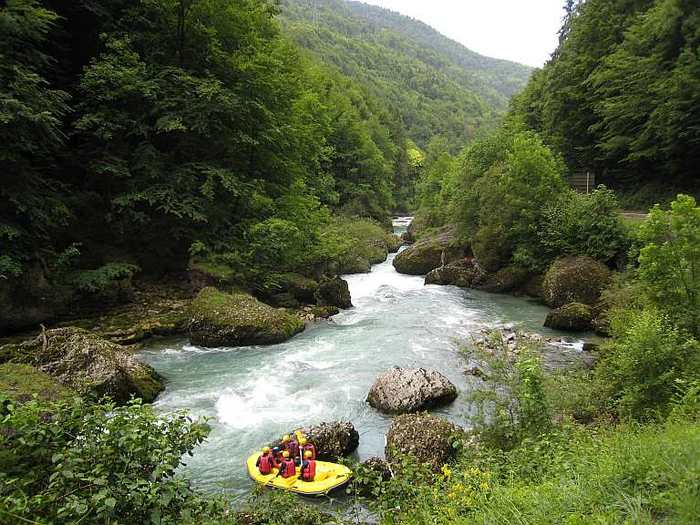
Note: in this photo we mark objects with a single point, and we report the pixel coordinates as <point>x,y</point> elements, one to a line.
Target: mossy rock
<point>334,292</point>
<point>430,252</point>
<point>491,248</point>
<point>575,280</point>
<point>302,288</point>
<point>506,280</point>
<point>575,317</point>
<point>353,265</point>
<point>393,243</point>
<point>222,319</point>
<point>428,439</point>
<point>21,382</point>
<point>456,274</point>
<point>90,365</point>
<point>419,225</point>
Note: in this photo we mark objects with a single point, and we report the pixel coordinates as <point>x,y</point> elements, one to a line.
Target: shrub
<point>80,463</point>
<point>579,224</point>
<point>643,365</point>
<point>513,405</point>
<point>574,280</point>
<point>669,261</point>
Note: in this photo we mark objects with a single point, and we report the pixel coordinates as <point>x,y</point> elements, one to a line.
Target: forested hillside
<point>621,95</point>
<point>437,86</point>
<point>123,120</point>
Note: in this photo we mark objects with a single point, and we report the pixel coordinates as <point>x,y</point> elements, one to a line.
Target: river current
<point>254,394</point>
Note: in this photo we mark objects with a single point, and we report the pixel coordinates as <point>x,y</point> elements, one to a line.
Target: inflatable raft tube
<point>329,477</point>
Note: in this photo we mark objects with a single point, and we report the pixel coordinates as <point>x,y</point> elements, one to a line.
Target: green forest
<point>168,167</point>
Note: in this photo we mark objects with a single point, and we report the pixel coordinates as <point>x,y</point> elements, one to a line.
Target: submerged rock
<point>427,438</point>
<point>575,280</point>
<point>221,319</point>
<point>430,252</point>
<point>89,364</point>
<point>575,317</point>
<point>334,292</point>
<point>402,390</point>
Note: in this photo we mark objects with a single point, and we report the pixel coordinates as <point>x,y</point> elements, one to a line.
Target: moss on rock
<point>222,319</point>
<point>425,437</point>
<point>456,274</point>
<point>506,280</point>
<point>334,292</point>
<point>430,252</point>
<point>575,280</point>
<point>89,364</point>
<point>21,382</point>
<point>574,317</point>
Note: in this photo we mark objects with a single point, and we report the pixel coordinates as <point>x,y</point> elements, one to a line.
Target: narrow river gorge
<point>254,394</point>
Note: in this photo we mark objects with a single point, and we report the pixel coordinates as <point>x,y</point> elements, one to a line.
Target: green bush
<point>643,365</point>
<point>579,224</point>
<point>669,261</point>
<point>79,463</point>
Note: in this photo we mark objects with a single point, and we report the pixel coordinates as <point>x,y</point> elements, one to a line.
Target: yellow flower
<point>484,486</point>
<point>446,471</point>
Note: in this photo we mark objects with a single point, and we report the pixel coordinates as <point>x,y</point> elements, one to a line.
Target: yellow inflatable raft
<point>329,476</point>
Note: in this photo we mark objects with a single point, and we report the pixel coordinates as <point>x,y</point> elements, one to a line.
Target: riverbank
<point>254,394</point>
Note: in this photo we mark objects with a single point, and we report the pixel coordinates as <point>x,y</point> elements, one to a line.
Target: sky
<point>523,31</point>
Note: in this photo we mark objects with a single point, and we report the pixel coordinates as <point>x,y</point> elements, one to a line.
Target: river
<point>254,394</point>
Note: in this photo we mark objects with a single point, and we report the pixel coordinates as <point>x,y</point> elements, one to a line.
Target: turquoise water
<point>254,394</point>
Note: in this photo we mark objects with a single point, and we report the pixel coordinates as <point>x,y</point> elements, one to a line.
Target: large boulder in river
<point>334,292</point>
<point>393,243</point>
<point>238,319</point>
<point>457,273</point>
<point>430,253</point>
<point>575,317</point>
<point>574,280</point>
<point>402,390</point>
<point>333,440</point>
<point>88,364</point>
<point>424,437</point>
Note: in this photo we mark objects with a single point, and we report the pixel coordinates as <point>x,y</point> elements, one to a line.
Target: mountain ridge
<point>436,85</point>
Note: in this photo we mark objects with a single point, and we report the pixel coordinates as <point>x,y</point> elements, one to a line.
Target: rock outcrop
<point>333,440</point>
<point>459,273</point>
<point>431,252</point>
<point>89,364</point>
<point>574,280</point>
<point>238,319</point>
<point>334,292</point>
<point>402,390</point>
<point>575,317</point>
<point>427,438</point>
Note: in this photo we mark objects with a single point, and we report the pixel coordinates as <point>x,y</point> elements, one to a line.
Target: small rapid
<point>254,394</point>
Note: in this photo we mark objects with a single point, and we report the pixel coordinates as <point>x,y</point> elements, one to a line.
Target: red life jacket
<point>290,468</point>
<point>265,464</point>
<point>293,448</point>
<point>277,460</point>
<point>308,470</point>
<point>311,447</point>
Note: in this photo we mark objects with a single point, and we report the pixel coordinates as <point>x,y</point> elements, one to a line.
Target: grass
<point>624,474</point>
